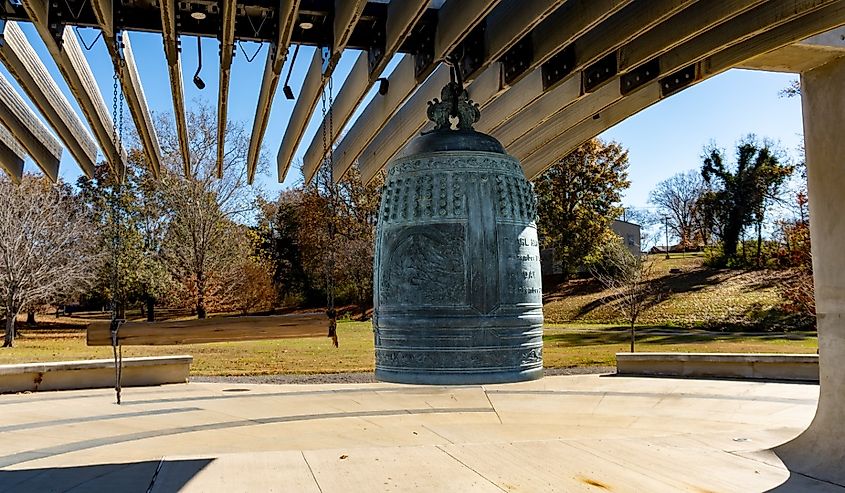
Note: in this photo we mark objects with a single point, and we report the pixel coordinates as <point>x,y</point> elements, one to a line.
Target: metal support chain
<point>326,99</point>
<point>118,177</point>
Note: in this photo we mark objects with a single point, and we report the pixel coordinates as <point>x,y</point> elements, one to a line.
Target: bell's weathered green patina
<point>458,295</point>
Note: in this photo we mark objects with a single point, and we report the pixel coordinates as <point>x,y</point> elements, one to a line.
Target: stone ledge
<point>798,367</point>
<point>93,374</point>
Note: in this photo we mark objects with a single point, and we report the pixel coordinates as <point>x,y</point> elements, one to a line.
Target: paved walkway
<point>565,433</point>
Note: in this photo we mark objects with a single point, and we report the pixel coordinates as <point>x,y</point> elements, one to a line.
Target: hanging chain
<point>115,83</point>
<point>122,167</point>
<point>326,99</point>
<point>116,220</point>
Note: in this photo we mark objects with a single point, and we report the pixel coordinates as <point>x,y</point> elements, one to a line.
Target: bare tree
<point>630,280</point>
<point>678,198</point>
<point>204,205</point>
<point>45,246</point>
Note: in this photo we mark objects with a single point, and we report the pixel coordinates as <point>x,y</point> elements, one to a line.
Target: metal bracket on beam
<point>117,15</point>
<point>637,77</point>
<point>472,50</point>
<point>378,46</point>
<point>178,28</point>
<point>118,43</point>
<point>55,22</point>
<point>3,15</point>
<point>326,57</point>
<point>600,72</point>
<point>679,80</point>
<point>423,44</point>
<point>516,60</point>
<point>558,67</point>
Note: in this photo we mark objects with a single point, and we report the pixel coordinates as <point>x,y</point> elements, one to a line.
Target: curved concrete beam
<point>506,23</point>
<point>559,29</point>
<point>530,130</point>
<point>800,27</point>
<point>347,13</point>
<point>80,80</point>
<point>174,72</point>
<point>12,155</point>
<point>276,55</point>
<point>123,60</point>
<point>456,18</point>
<point>227,53</point>
<point>33,135</point>
<point>24,64</point>
<point>306,101</point>
<point>401,18</point>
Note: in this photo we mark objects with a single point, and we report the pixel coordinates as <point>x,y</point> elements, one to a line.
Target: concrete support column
<point>819,452</point>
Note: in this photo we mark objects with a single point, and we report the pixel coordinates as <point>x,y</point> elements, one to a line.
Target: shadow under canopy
<point>125,477</point>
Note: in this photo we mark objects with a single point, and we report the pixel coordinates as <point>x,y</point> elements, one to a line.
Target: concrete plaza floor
<point>565,433</point>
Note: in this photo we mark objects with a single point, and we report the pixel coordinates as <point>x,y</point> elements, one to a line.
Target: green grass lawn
<point>567,345</point>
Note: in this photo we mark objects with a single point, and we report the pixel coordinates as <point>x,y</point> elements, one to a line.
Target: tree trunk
<point>201,296</point>
<point>759,241</point>
<point>9,340</point>
<point>731,237</point>
<point>30,318</point>
<point>632,337</point>
<point>11,315</point>
<point>151,306</point>
<point>143,309</point>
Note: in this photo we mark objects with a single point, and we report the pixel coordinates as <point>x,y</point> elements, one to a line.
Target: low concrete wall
<point>801,367</point>
<point>93,374</point>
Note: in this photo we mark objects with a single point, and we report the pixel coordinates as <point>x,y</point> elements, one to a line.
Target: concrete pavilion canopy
<point>548,74</point>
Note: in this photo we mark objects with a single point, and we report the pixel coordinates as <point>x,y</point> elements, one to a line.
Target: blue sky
<point>663,140</point>
<point>669,137</point>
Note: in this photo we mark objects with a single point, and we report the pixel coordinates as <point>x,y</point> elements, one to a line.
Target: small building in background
<point>629,234</point>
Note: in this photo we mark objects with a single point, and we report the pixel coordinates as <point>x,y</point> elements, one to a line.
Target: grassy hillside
<point>691,295</point>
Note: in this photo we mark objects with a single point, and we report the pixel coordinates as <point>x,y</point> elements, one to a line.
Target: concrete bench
<point>799,367</point>
<point>93,374</point>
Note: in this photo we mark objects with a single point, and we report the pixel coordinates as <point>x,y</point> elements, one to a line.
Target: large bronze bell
<point>458,296</point>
